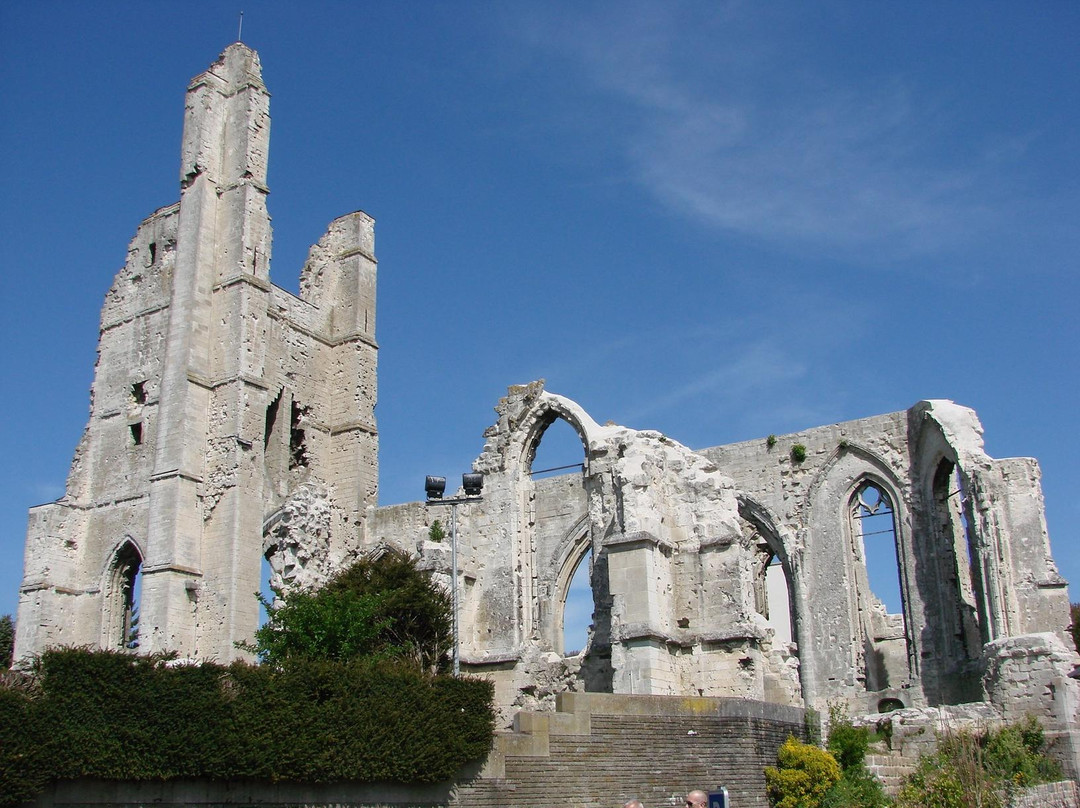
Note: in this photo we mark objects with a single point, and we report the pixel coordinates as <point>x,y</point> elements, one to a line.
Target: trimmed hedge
<point>117,716</point>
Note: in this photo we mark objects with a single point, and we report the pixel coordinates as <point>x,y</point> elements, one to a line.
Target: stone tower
<point>229,420</point>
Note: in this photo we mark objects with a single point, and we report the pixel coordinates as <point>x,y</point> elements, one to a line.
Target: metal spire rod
<point>240,30</point>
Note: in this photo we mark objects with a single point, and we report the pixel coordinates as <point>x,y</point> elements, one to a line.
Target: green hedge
<point>118,716</point>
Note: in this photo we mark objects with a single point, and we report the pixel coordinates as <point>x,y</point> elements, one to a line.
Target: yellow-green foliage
<point>804,776</point>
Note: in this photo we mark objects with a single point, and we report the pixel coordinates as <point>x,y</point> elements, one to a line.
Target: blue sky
<point>719,220</point>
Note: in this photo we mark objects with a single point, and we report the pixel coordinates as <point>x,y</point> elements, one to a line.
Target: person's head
<point>697,799</point>
<point>633,804</point>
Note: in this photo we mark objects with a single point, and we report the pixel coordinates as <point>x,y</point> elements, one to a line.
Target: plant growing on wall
<point>980,768</point>
<point>798,453</point>
<point>770,441</point>
<point>436,532</point>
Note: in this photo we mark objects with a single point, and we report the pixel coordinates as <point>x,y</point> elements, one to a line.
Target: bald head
<point>697,799</point>
<point>633,804</point>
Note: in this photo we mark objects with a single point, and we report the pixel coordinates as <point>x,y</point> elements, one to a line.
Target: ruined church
<point>232,422</point>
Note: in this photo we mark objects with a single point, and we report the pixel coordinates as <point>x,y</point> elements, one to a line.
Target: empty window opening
<point>271,419</point>
<point>874,521</point>
<point>153,252</point>
<point>558,450</point>
<point>127,592</point>
<point>138,393</point>
<point>578,608</point>
<point>266,592</point>
<point>956,533</point>
<point>297,440</point>
<point>136,433</point>
<point>772,596</point>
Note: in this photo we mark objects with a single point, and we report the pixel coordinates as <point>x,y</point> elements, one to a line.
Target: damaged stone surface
<point>232,421</point>
<point>218,401</point>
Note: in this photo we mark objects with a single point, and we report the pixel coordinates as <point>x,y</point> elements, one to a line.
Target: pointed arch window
<point>874,521</point>
<point>125,594</point>
<point>886,651</point>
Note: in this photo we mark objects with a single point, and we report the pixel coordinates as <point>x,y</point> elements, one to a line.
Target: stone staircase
<point>598,750</point>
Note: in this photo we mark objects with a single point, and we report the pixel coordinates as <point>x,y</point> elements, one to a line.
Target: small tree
<point>1074,613</point>
<point>384,608</point>
<point>338,626</point>
<point>416,611</point>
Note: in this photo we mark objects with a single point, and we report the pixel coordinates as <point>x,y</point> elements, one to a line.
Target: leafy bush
<point>803,777</point>
<point>417,611</point>
<point>321,625</point>
<point>847,742</point>
<point>980,768</point>
<point>118,716</point>
<point>857,787</point>
<point>1074,614</point>
<point>798,453</point>
<point>382,608</point>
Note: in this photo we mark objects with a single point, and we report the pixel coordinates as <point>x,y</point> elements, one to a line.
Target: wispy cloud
<point>728,128</point>
<point>754,368</point>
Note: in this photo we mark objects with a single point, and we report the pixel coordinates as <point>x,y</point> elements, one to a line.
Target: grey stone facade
<point>232,422</point>
<point>219,401</point>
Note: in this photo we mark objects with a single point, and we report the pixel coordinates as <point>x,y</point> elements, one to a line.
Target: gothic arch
<point>780,543</point>
<point>839,639</point>
<point>550,409</point>
<point>568,556</point>
<point>955,532</point>
<point>889,659</point>
<point>120,587</point>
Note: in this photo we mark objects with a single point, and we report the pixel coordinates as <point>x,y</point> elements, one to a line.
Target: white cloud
<point>730,121</point>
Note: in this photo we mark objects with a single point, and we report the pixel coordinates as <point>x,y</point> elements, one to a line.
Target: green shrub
<point>417,610</point>
<point>321,625</point>
<point>118,716</point>
<point>436,531</point>
<point>803,777</point>
<point>798,453</point>
<point>857,787</point>
<point>847,743</point>
<point>376,609</point>
<point>980,768</point>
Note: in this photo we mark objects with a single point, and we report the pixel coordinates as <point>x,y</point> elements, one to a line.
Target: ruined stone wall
<point>220,406</point>
<point>232,421</point>
<point>683,543</point>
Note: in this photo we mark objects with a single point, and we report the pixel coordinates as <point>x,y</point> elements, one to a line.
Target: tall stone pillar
<point>210,398</point>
